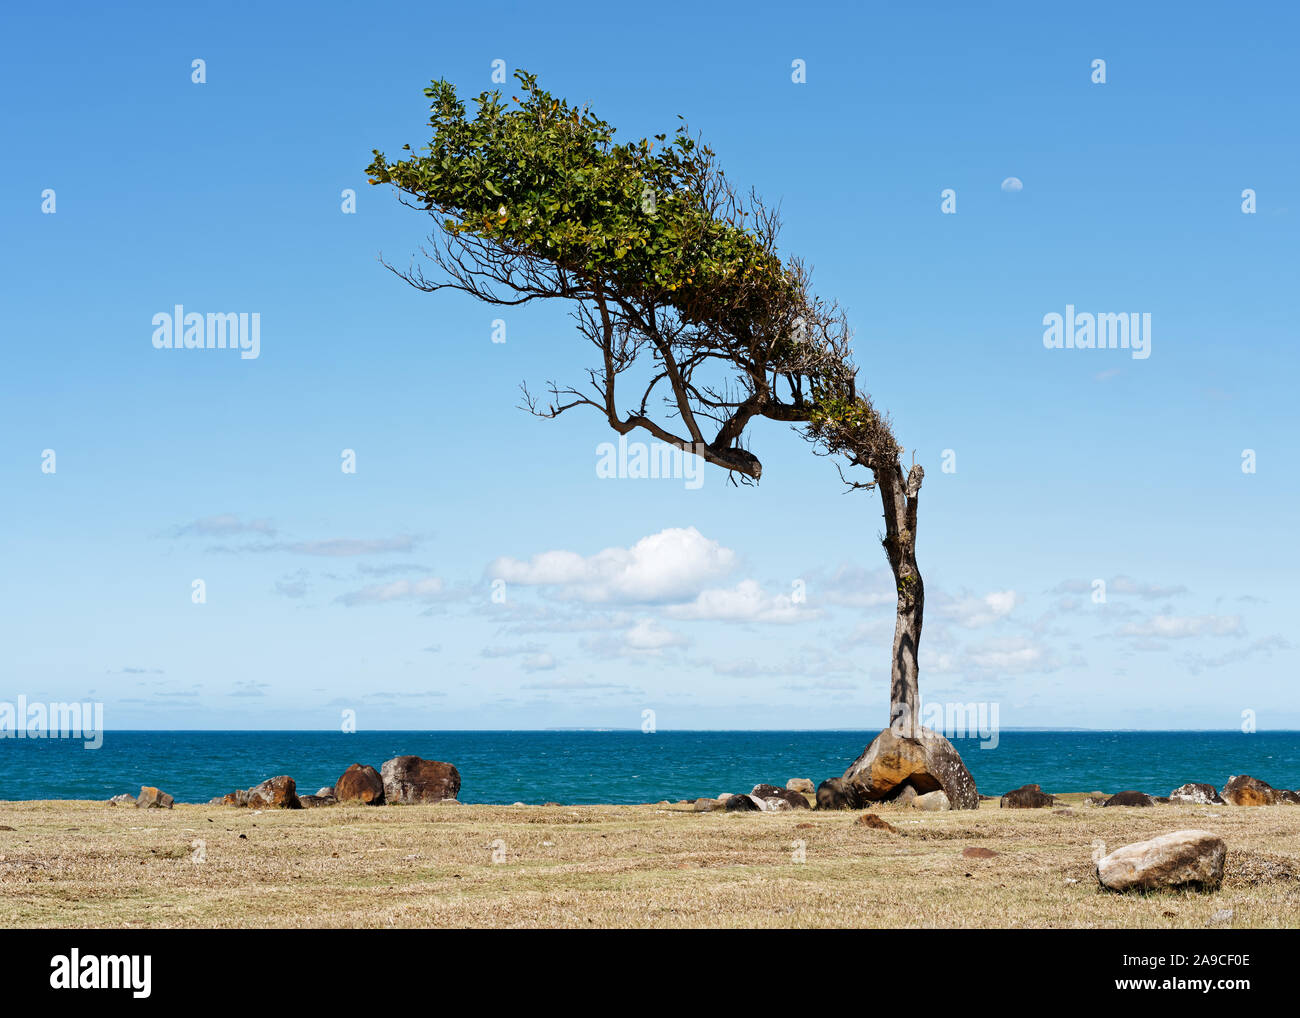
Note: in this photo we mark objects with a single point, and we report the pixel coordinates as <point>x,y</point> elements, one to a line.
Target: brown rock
<point>874,822</point>
<point>743,804</point>
<point>1025,797</point>
<point>279,792</point>
<point>836,793</point>
<point>316,801</point>
<point>409,780</point>
<point>795,799</point>
<point>1196,794</point>
<point>239,797</point>
<point>153,798</point>
<point>1180,859</point>
<point>906,796</point>
<point>801,785</point>
<point>1129,797</point>
<point>933,802</point>
<point>707,805</point>
<point>928,763</point>
<point>978,852</point>
<point>360,783</point>
<point>1286,795</point>
<point>1243,790</point>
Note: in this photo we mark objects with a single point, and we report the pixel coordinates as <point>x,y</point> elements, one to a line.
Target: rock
<point>1025,797</point>
<point>1161,800</point>
<point>1180,859</point>
<point>836,793</point>
<point>874,822</point>
<point>977,852</point>
<point>325,792</point>
<point>153,798</point>
<point>933,802</point>
<point>1096,799</point>
<point>795,800</point>
<point>1243,790</point>
<point>743,804</point>
<point>316,801</point>
<point>707,805</point>
<point>928,763</point>
<point>724,796</point>
<point>1196,794</point>
<point>1130,798</point>
<point>801,785</point>
<point>409,780</point>
<point>239,797</point>
<point>905,797</point>
<point>279,792</point>
<point>359,783</point>
<point>125,799</point>
<point>1286,795</point>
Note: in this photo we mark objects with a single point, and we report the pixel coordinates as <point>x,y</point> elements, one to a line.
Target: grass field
<point>78,864</point>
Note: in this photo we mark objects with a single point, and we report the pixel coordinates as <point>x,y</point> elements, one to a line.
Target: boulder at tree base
<point>928,763</point>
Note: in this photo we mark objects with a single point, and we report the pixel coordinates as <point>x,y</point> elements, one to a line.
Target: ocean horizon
<point>600,765</point>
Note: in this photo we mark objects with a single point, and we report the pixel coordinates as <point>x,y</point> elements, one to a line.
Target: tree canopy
<point>533,198</point>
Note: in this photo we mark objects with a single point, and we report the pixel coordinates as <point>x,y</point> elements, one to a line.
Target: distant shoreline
<point>602,730</point>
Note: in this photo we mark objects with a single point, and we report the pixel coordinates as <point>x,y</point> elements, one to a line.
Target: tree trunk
<point>898,496</point>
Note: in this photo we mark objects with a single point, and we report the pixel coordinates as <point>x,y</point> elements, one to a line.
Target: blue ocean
<point>622,766</point>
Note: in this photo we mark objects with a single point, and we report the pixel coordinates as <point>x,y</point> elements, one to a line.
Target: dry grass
<point>75,864</point>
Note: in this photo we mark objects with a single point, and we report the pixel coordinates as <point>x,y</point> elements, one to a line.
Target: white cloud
<point>511,651</point>
<point>572,684</point>
<point>671,565</point>
<point>853,587</point>
<point>1120,585</point>
<point>972,612</point>
<point>650,637</point>
<point>225,523</point>
<point>1179,627</point>
<point>1013,655</point>
<point>429,589</point>
<point>334,547</point>
<point>1264,645</point>
<point>745,602</point>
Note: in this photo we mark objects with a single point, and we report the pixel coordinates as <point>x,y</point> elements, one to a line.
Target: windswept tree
<point>699,326</point>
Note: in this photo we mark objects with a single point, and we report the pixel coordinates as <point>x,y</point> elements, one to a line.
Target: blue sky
<point>372,591</point>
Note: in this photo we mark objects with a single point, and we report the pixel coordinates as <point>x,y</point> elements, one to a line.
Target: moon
<point>1012,184</point>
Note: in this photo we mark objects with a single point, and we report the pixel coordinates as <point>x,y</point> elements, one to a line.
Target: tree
<point>671,274</point>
